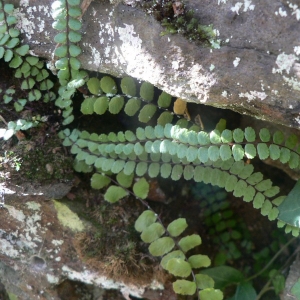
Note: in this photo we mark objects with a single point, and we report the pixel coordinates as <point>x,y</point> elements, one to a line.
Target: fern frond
<point>141,104</point>
<point>65,14</point>
<point>171,151</point>
<point>34,78</point>
<point>176,262</point>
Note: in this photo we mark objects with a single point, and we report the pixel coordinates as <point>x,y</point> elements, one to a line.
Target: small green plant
<point>11,159</point>
<point>121,162</point>
<point>66,14</point>
<point>175,17</point>
<point>227,230</point>
<point>35,84</point>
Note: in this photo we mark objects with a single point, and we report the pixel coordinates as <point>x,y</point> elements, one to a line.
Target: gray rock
<point>256,70</point>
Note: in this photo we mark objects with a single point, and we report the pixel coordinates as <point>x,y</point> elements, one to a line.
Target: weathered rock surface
<point>40,259</point>
<point>291,279</point>
<point>255,71</point>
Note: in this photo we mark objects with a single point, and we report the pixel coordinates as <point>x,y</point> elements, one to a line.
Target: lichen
<point>12,296</point>
<point>284,63</point>
<point>89,277</point>
<point>57,242</point>
<point>131,41</point>
<point>236,61</point>
<point>281,12</point>
<point>252,95</point>
<point>247,6</point>
<point>237,7</point>
<point>52,279</point>
<point>295,10</point>
<point>95,55</point>
<point>224,94</point>
<point>297,50</point>
<point>28,233</point>
<point>15,213</point>
<point>292,82</point>
<point>33,205</point>
<point>7,249</point>
<point>67,217</point>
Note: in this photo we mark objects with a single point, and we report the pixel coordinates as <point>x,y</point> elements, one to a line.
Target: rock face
<point>291,279</point>
<point>40,259</point>
<point>255,71</point>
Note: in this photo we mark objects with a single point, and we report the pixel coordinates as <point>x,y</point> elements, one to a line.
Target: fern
<point>171,151</point>
<point>163,240</point>
<point>119,161</point>
<point>66,14</point>
<point>106,98</point>
<point>176,261</point>
<point>35,83</point>
<point>225,228</point>
<point>28,68</point>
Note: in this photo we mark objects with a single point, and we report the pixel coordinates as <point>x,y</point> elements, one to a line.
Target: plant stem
<point>265,289</point>
<point>272,260</point>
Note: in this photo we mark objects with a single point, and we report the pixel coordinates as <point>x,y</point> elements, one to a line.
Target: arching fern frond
<point>106,97</point>
<point>170,151</point>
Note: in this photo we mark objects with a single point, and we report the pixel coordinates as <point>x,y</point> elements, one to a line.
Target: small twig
<point>84,6</point>
<point>272,260</point>
<point>265,289</point>
<point>3,120</point>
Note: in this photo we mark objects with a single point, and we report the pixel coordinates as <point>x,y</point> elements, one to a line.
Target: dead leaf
<point>179,106</point>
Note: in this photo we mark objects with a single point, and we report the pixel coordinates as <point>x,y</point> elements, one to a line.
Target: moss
<point>43,160</point>
<point>181,20</point>
<point>12,296</point>
<point>111,243</point>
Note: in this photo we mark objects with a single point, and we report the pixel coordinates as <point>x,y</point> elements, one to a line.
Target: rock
<point>291,280</point>
<point>54,190</point>
<point>40,258</point>
<point>3,293</point>
<point>255,71</point>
